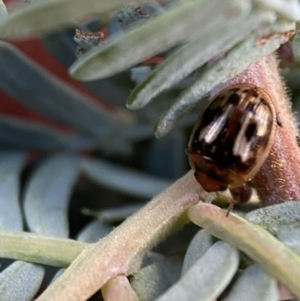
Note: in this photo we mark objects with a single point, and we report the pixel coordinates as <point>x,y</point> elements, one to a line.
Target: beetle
<point>232,137</point>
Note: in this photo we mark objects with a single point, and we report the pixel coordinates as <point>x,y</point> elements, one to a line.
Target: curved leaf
<point>21,134</point>
<point>201,242</point>
<point>290,236</point>
<point>155,36</point>
<point>221,71</point>
<point>207,278</point>
<point>184,61</point>
<point>47,195</point>
<point>3,11</point>
<point>276,259</point>
<point>52,15</point>
<point>288,9</point>
<point>36,88</point>
<point>11,164</point>
<point>154,279</point>
<point>273,217</point>
<point>16,133</point>
<point>114,214</point>
<point>122,179</point>
<point>253,284</point>
<point>20,281</point>
<point>121,253</point>
<point>94,231</point>
<point>296,47</point>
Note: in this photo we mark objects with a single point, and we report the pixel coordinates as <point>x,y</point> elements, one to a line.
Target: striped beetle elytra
<point>232,137</point>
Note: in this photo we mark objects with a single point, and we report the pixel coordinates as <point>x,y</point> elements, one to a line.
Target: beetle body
<point>232,137</point>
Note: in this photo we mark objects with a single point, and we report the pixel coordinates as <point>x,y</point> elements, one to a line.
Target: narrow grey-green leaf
<point>208,277</point>
<point>290,9</point>
<point>3,11</point>
<point>114,214</point>
<point>23,134</point>
<point>273,217</point>
<point>154,279</point>
<point>191,56</point>
<point>278,260</point>
<point>155,36</point>
<point>58,274</point>
<point>296,46</point>
<point>47,195</point>
<point>152,257</point>
<point>227,67</point>
<point>20,281</point>
<point>290,236</point>
<point>53,15</point>
<point>36,88</point>
<point>28,135</point>
<point>11,164</point>
<point>156,220</point>
<point>122,179</point>
<point>201,242</point>
<point>93,231</point>
<point>253,284</point>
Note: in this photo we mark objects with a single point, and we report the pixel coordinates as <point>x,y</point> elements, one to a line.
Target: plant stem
<point>36,248</point>
<point>276,259</point>
<point>121,251</point>
<point>278,179</point>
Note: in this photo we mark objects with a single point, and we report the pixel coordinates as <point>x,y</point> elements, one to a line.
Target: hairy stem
<point>120,252</point>
<point>278,179</point>
<point>276,259</point>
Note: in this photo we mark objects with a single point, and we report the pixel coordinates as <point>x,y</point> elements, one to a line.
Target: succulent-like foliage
<point>71,152</point>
